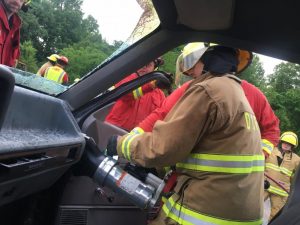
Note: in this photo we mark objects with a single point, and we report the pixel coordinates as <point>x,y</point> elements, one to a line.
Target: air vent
<point>73,217</point>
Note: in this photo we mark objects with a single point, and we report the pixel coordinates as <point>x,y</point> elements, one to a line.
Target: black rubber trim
<point>7,83</point>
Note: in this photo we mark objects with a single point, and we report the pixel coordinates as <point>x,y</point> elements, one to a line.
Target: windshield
<point>63,41</point>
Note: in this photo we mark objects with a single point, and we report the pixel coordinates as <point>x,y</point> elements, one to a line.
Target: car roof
<point>267,27</point>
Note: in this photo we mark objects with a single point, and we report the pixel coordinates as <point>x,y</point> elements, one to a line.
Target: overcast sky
<point>269,63</point>
<point>118,18</point>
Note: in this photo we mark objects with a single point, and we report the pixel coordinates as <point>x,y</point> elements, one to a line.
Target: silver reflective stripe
<point>60,77</point>
<point>267,146</point>
<point>185,217</point>
<point>238,164</point>
<point>229,164</point>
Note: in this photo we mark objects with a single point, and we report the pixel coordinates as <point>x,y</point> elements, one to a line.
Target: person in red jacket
<point>10,24</point>
<point>267,120</point>
<point>134,107</point>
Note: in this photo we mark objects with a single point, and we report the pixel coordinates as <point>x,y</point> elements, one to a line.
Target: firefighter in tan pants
<point>281,166</point>
<point>213,138</point>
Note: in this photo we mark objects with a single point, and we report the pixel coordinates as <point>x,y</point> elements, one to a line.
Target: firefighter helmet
<point>53,57</point>
<point>188,58</point>
<point>192,53</point>
<point>244,60</point>
<point>63,60</point>
<point>289,137</point>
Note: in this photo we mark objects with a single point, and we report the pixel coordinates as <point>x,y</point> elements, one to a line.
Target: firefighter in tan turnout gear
<point>212,137</point>
<point>280,167</point>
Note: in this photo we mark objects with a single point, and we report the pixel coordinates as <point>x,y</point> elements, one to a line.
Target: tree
<point>284,95</point>
<point>85,56</point>
<point>170,61</point>
<point>28,58</point>
<point>52,25</point>
<point>286,76</point>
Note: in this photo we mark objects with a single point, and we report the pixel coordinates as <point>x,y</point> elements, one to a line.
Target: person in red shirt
<point>265,116</point>
<point>10,24</point>
<point>267,120</point>
<point>134,107</point>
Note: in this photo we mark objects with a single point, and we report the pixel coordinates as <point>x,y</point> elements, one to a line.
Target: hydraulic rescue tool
<point>141,188</point>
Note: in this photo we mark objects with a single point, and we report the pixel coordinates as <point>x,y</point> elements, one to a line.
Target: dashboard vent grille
<point>73,217</point>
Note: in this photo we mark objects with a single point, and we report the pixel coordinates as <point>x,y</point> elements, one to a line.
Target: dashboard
<point>39,141</point>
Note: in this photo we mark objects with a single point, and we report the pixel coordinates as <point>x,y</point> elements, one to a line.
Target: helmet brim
<point>244,60</point>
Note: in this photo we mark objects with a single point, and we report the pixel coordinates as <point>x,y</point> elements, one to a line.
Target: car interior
<point>42,178</point>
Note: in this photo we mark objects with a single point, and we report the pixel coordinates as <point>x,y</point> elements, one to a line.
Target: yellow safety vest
<point>55,73</point>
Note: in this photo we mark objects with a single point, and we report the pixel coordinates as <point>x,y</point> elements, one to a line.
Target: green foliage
<point>286,76</point>
<point>282,88</point>
<point>284,96</point>
<point>85,56</point>
<point>59,26</point>
<point>52,25</point>
<point>170,61</point>
<point>28,57</point>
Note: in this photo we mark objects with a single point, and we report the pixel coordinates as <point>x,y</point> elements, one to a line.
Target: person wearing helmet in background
<point>267,120</point>
<point>57,73</point>
<point>52,59</point>
<point>281,167</point>
<point>212,137</point>
<point>132,108</point>
<point>10,24</point>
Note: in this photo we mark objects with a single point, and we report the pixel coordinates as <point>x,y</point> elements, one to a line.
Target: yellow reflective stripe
<point>221,169</point>
<point>224,163</point>
<point>286,171</point>
<point>272,166</point>
<point>140,91</point>
<point>167,168</point>
<point>125,147</point>
<point>164,199</point>
<point>281,169</point>
<point>137,93</point>
<point>185,216</point>
<point>267,146</point>
<point>277,191</point>
<point>137,130</point>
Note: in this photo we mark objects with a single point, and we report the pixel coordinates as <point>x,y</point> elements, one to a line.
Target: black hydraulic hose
<point>92,157</point>
<point>276,182</point>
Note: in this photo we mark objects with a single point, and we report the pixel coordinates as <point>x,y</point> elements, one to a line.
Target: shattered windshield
<point>56,53</point>
<point>38,83</point>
